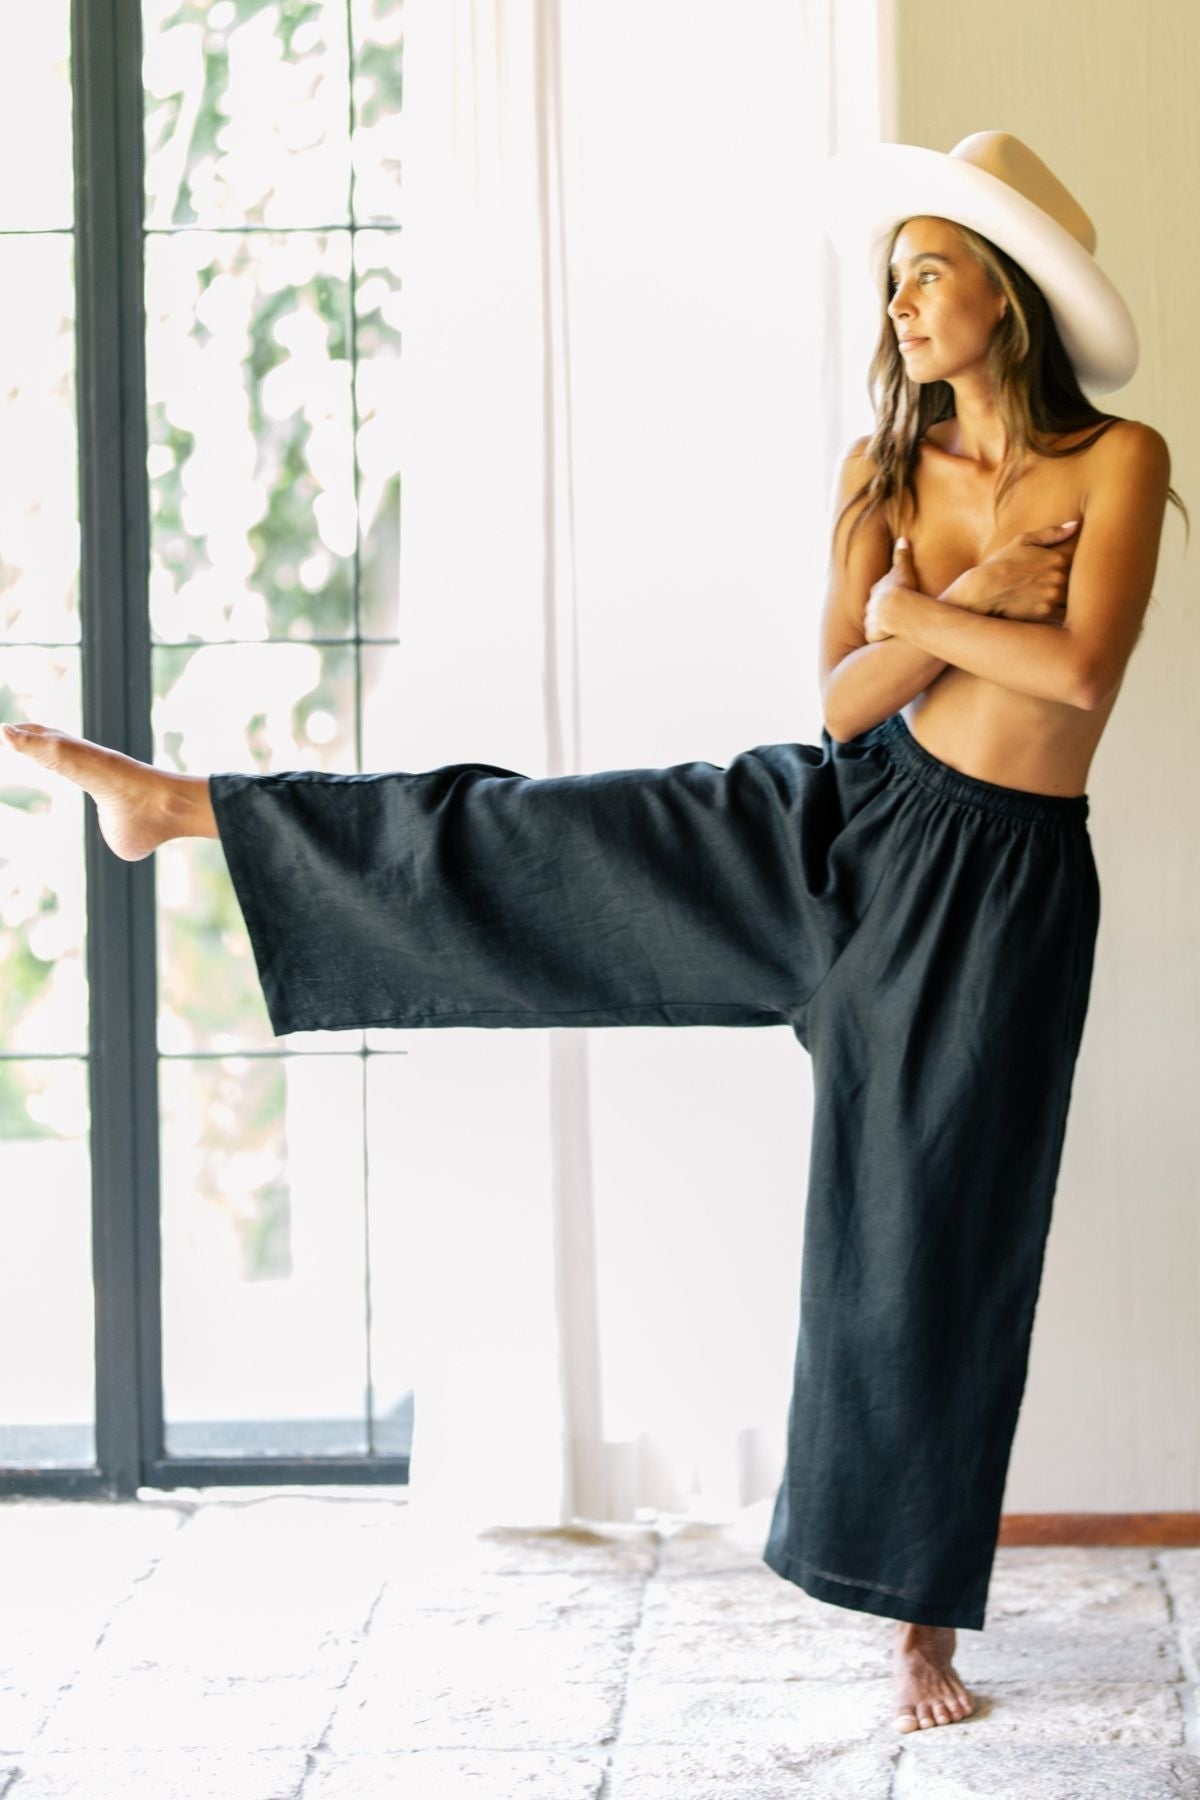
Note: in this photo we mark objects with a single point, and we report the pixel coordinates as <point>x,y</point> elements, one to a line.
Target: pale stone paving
<point>238,1644</point>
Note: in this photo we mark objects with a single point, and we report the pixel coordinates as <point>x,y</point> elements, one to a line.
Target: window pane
<point>250,432</point>
<point>47,1317</point>
<point>209,998</point>
<point>36,191</point>
<point>260,708</point>
<point>43,991</point>
<point>264,1252</point>
<point>39,506</point>
<point>377,307</point>
<point>386,727</point>
<point>247,112</point>
<point>378,28</point>
<point>208,992</point>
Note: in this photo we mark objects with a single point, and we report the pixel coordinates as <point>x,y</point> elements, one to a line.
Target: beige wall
<point>1106,94</point>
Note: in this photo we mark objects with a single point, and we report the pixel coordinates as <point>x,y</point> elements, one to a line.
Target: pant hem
<point>666,1012</point>
<point>862,1597</point>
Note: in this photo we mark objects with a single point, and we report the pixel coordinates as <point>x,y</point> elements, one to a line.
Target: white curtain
<point>621,405</point>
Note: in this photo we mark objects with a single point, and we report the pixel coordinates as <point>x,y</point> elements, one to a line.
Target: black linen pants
<point>928,937</point>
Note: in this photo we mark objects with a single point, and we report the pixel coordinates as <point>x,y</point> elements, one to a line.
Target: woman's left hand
<point>879,616</point>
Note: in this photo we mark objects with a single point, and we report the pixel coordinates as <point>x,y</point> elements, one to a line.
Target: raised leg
<point>474,895</point>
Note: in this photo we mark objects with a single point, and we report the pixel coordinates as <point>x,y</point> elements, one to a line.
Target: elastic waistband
<point>1014,803</point>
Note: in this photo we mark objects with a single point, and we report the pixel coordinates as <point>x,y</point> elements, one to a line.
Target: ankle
<point>915,1637</point>
<point>187,806</point>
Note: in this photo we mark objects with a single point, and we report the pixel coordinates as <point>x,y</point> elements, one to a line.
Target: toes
<point>17,732</point>
<point>950,1702</point>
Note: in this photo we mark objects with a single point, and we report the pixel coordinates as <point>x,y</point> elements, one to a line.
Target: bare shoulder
<point>859,459</point>
<point>858,467</point>
<point>1128,473</point>
<point>1133,446</point>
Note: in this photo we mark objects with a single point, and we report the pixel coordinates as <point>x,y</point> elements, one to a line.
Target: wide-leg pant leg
<point>943,1045</point>
<point>475,895</point>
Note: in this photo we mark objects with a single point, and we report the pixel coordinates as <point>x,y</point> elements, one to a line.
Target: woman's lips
<point>913,343</point>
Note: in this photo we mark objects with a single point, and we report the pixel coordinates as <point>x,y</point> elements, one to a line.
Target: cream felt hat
<point>994,183</point>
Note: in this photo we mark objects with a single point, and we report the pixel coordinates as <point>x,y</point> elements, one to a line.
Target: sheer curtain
<point>622,398</point>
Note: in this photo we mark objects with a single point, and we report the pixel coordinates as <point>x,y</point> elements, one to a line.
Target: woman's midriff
<point>976,725</point>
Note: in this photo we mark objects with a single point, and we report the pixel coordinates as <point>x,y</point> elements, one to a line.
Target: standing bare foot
<point>139,807</point>
<point>924,1681</point>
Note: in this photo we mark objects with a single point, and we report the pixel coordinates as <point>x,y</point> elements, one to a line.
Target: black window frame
<point>107,101</point>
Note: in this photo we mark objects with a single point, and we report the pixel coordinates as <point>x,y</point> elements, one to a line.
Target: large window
<point>199,553</point>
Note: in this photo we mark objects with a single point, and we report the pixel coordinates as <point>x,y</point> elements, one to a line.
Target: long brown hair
<point>1038,395</point>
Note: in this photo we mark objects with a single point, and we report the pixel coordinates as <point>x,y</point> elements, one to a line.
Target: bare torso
<point>975,725</point>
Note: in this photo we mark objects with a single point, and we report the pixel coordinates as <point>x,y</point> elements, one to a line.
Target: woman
<point>916,896</point>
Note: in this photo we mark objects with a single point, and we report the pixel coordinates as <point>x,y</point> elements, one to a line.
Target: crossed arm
<point>866,676</point>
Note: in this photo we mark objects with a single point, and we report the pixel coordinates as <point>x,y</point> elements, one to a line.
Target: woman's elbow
<point>1095,687</point>
<point>833,722</point>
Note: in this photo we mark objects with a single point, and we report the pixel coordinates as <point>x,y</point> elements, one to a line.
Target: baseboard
<point>1173,1529</point>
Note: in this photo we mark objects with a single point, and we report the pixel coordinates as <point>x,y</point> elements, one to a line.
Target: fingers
<point>1053,534</point>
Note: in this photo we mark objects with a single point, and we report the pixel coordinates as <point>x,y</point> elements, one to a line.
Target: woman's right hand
<point>1025,578</point>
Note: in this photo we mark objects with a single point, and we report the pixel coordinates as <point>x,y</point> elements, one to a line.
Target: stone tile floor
<point>317,1644</point>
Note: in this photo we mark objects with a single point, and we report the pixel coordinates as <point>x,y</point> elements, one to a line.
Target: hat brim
<point>862,194</point>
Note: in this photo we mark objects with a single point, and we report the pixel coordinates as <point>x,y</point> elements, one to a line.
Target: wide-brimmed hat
<point>996,184</point>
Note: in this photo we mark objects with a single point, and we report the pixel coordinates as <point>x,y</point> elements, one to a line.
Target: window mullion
<point>107,82</point>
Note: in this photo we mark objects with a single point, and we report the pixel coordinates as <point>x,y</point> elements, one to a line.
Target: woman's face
<point>940,294</point>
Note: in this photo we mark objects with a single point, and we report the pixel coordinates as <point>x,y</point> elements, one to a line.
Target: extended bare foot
<point>926,1686</point>
<point>139,807</point>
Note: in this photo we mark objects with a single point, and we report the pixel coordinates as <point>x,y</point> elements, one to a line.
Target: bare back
<point>976,725</point>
